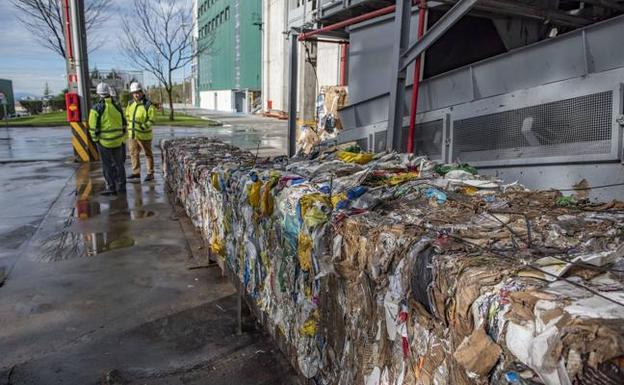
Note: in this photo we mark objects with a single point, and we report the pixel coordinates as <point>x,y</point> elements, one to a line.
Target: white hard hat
<point>102,89</point>
<point>135,87</point>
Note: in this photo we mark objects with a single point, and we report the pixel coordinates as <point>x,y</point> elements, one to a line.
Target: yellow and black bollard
<point>84,149</point>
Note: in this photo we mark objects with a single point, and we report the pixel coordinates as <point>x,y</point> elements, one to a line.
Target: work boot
<point>149,178</point>
<point>108,192</point>
<point>134,176</point>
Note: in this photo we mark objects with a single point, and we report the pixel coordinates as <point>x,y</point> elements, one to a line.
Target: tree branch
<point>159,38</point>
<point>44,20</point>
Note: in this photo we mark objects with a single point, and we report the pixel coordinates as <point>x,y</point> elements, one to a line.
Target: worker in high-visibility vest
<point>140,116</point>
<point>107,129</point>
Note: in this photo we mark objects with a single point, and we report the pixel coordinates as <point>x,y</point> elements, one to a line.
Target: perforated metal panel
<point>380,141</point>
<point>428,139</point>
<point>570,127</point>
<point>362,143</point>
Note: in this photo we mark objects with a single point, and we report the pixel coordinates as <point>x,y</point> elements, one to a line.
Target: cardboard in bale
<point>392,269</point>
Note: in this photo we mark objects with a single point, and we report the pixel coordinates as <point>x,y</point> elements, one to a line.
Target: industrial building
<point>318,63</point>
<point>6,98</point>
<point>117,79</point>
<point>526,90</point>
<point>227,68</point>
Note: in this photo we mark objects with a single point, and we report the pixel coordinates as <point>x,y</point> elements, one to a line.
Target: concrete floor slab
<point>99,290</point>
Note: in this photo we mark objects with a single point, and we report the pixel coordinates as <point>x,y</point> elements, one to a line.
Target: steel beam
<point>437,31</point>
<point>507,8</point>
<point>292,93</point>
<point>396,108</point>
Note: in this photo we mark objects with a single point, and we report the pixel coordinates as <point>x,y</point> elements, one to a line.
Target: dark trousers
<point>113,165</point>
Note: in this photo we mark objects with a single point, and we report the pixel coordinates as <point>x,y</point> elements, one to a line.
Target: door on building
<point>216,102</point>
<point>239,101</point>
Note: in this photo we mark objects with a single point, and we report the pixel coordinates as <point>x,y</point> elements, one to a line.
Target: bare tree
<point>44,19</point>
<point>158,38</point>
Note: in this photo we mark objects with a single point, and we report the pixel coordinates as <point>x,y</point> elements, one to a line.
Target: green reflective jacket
<point>106,123</point>
<point>140,116</point>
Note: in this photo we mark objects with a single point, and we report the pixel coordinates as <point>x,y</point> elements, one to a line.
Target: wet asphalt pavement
<point>98,290</point>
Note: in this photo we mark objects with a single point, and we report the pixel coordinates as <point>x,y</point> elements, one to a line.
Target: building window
<point>221,17</point>
<point>227,13</point>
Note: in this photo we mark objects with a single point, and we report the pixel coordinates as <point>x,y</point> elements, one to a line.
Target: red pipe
<point>68,49</point>
<point>344,51</point>
<point>328,41</point>
<point>414,108</point>
<point>348,22</point>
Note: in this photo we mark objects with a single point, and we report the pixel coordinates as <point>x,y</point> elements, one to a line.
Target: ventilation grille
<point>362,143</point>
<point>428,139</point>
<point>380,141</point>
<point>570,127</point>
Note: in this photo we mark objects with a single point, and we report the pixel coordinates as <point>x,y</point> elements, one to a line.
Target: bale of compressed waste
<point>392,269</point>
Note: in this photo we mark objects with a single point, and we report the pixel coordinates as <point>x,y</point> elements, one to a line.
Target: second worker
<point>140,117</point>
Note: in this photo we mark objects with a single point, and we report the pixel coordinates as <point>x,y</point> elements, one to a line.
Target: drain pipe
<point>415,88</point>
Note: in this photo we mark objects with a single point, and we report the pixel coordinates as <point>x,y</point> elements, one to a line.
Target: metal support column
<point>396,109</point>
<point>78,81</point>
<point>403,56</point>
<point>292,94</point>
<point>79,41</point>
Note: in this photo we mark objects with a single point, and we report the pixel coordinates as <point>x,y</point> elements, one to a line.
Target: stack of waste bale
<point>328,125</point>
<point>392,269</point>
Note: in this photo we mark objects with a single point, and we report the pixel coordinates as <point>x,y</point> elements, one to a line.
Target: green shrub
<point>33,107</point>
<point>57,103</point>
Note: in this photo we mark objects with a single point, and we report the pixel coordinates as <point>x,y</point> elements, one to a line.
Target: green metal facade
<point>229,63</point>
<point>6,87</point>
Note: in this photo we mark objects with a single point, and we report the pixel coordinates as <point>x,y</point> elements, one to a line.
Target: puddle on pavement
<point>132,214</point>
<point>89,209</point>
<point>97,224</point>
<point>84,238</point>
<point>66,245</point>
<point>98,243</point>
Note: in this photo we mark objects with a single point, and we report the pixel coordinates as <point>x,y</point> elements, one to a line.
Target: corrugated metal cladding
<point>233,60</point>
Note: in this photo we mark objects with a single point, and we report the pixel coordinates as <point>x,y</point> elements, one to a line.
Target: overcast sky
<point>30,66</point>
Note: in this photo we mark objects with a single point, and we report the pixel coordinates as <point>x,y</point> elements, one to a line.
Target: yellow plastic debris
<point>314,217</point>
<point>338,198</point>
<point>264,256</point>
<point>217,246</point>
<point>254,194</point>
<point>309,328</point>
<point>402,178</point>
<point>469,190</point>
<point>352,157</point>
<point>266,202</point>
<point>214,178</point>
<point>304,251</point>
<point>311,209</point>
